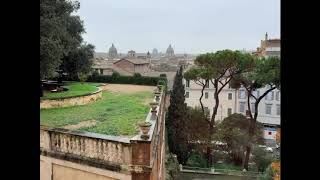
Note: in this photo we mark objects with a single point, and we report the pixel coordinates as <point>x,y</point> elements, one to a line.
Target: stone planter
<point>159,87</point>
<point>154,106</point>
<point>157,94</point>
<point>144,128</point>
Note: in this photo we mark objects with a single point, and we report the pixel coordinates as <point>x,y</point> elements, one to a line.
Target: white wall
<point>195,93</point>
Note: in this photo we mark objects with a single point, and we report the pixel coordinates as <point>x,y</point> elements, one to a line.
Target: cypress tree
<point>175,123</point>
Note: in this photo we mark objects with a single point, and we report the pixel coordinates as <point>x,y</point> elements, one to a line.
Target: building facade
<point>235,101</point>
<point>269,47</point>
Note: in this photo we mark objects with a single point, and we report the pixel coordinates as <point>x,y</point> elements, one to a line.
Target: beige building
<point>227,99</point>
<point>269,47</point>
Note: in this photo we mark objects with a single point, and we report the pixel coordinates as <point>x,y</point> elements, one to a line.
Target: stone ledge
<point>87,134</point>
<point>71,101</point>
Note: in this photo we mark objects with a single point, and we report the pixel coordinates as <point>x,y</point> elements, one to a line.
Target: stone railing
<point>71,101</point>
<point>105,148</point>
<point>139,155</point>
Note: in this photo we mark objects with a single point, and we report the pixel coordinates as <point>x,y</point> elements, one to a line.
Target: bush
<point>136,75</point>
<point>268,175</point>
<point>196,160</point>
<point>116,78</point>
<point>261,158</point>
<point>82,77</point>
<point>163,75</point>
<point>220,156</point>
<point>172,166</point>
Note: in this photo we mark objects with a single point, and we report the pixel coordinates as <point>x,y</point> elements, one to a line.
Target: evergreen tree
<point>175,124</point>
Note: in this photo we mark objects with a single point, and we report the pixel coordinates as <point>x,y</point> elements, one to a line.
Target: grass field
<point>115,114</point>
<point>75,89</point>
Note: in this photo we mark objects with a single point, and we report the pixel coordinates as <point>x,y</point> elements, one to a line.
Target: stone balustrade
<point>115,150</point>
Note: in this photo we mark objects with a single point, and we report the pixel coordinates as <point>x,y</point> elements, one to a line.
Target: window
<point>242,94</point>
<point>230,96</point>
<point>253,110</point>
<point>207,84</point>
<point>278,95</point>
<point>278,109</point>
<point>268,108</point>
<point>101,71</point>
<point>256,93</point>
<point>187,94</point>
<point>187,83</point>
<point>206,95</point>
<point>229,111</point>
<point>270,96</point>
<point>269,133</point>
<point>242,106</point>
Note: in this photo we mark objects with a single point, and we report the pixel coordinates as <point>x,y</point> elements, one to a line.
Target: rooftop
<point>135,61</point>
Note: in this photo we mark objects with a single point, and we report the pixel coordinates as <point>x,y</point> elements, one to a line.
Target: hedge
<point>139,80</point>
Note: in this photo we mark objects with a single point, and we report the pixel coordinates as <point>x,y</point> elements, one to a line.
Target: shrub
<point>196,160</point>
<point>261,158</point>
<point>82,77</point>
<point>136,75</point>
<point>163,75</point>
<point>172,166</point>
<point>268,175</point>
<point>116,78</point>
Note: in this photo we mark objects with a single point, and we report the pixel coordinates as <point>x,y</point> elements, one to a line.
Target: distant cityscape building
<point>113,52</point>
<point>269,47</point>
<point>131,54</point>
<point>154,52</point>
<point>170,51</point>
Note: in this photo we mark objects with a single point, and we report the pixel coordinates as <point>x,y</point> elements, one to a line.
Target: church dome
<point>112,51</point>
<point>170,51</point>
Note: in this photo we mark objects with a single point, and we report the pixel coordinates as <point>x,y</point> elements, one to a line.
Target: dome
<point>112,51</point>
<point>170,51</point>
<point>154,51</point>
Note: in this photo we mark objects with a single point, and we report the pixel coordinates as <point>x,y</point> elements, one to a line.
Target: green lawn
<point>75,89</point>
<point>115,113</point>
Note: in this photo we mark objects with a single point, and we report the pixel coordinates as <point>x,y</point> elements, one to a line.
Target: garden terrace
<point>118,112</point>
<point>73,89</point>
<point>102,147</point>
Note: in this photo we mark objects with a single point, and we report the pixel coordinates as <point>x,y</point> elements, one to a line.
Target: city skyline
<point>191,27</point>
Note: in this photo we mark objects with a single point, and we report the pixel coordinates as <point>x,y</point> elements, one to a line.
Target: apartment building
<point>235,101</point>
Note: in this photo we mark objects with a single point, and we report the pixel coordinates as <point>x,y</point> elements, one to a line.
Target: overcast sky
<point>191,26</point>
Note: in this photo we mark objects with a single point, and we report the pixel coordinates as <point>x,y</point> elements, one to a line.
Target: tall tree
<point>265,73</point>
<point>78,61</point>
<point>175,123</point>
<point>219,68</point>
<point>60,32</point>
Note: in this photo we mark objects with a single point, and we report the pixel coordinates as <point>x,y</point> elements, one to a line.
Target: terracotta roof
<point>136,61</point>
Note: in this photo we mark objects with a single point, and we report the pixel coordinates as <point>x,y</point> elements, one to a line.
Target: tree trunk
<point>253,121</point>
<point>200,99</point>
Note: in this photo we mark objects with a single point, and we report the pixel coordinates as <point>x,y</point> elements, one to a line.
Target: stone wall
<point>71,101</point>
<point>57,169</point>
